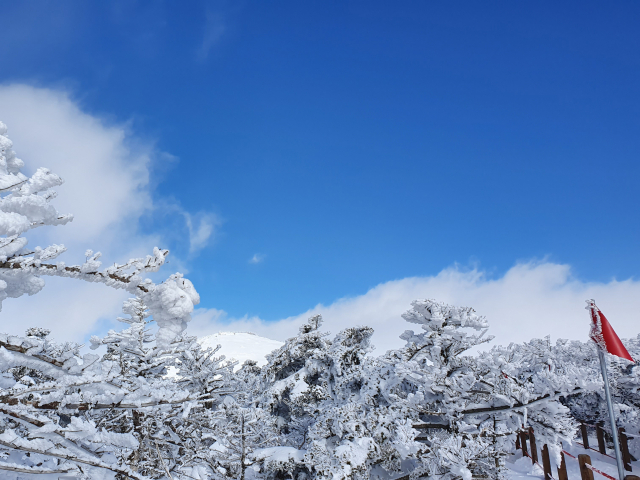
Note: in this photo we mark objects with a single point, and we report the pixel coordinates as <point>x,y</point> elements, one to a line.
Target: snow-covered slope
<point>241,346</point>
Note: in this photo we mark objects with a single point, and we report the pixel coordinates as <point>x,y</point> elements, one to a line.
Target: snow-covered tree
<point>120,411</point>
<point>70,412</point>
<point>482,400</point>
<point>241,433</point>
<point>25,204</point>
<point>335,407</point>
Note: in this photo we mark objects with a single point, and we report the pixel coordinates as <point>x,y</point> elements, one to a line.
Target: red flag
<point>603,334</point>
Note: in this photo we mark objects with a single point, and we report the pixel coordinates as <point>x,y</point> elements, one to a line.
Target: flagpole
<point>612,418</point>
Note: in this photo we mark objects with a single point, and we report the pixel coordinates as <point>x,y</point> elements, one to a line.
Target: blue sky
<point>349,144</point>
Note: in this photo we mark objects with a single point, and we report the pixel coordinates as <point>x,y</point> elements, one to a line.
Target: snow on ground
<point>521,468</point>
<point>241,346</point>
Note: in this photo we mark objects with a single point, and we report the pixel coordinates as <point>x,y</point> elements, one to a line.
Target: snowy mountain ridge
<point>241,346</point>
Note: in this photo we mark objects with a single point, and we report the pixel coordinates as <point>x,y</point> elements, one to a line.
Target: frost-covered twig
<point>22,416</point>
<point>505,408</point>
<point>101,406</point>
<point>114,276</point>
<point>23,446</point>
<point>14,467</point>
<point>164,465</point>
<point>25,349</point>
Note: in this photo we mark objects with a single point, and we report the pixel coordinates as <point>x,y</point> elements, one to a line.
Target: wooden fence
<point>602,447</point>
<point>526,441</point>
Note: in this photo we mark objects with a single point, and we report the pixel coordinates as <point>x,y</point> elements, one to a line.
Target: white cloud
<point>106,173</point>
<point>257,258</point>
<point>106,169</point>
<point>531,300</point>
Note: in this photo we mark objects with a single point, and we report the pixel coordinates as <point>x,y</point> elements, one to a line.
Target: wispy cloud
<point>257,258</point>
<point>214,28</point>
<point>201,229</point>
<point>182,228</point>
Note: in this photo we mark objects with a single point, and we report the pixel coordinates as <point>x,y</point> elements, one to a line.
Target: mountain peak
<point>241,346</point>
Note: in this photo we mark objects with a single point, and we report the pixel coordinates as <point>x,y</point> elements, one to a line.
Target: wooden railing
<point>602,446</point>
<point>586,469</point>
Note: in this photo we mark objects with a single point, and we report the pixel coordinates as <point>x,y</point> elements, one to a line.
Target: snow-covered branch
<point>125,276</point>
<point>505,408</point>
<point>15,467</point>
<point>56,452</point>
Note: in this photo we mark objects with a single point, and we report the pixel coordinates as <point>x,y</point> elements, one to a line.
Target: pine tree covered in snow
<point>482,400</point>
<point>72,413</point>
<point>241,433</point>
<point>336,406</point>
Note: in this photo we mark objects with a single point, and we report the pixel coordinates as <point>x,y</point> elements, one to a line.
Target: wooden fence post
<point>584,471</point>
<point>517,441</point>
<point>602,446</point>
<point>562,469</point>
<point>523,443</point>
<point>532,445</point>
<point>546,462</point>
<point>585,436</point>
<point>624,448</point>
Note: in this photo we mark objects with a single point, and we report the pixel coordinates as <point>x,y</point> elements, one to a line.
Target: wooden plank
<point>584,471</point>
<point>546,462</point>
<point>562,469</point>
<point>532,445</point>
<point>585,436</point>
<point>624,448</point>
<point>523,443</point>
<point>602,446</point>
